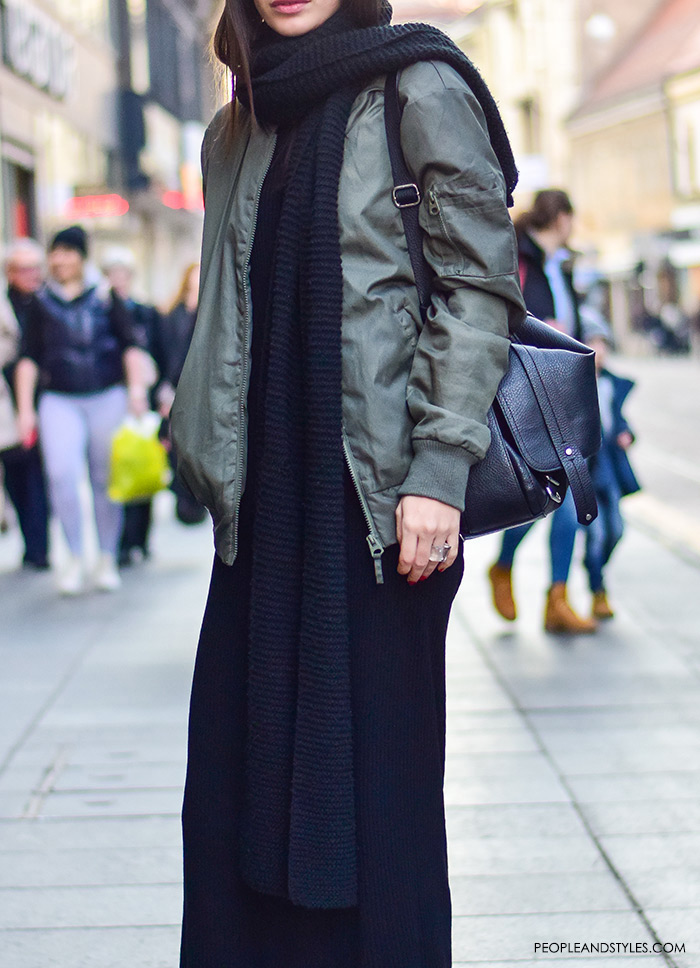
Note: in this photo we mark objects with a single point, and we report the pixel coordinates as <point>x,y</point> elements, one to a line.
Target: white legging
<point>75,427</point>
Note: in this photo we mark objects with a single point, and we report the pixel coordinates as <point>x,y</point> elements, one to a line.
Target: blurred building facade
<point>602,98</point>
<point>635,174</point>
<point>102,108</point>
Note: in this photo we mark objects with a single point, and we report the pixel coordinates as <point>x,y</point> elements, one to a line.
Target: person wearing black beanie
<point>80,349</point>
<point>73,237</point>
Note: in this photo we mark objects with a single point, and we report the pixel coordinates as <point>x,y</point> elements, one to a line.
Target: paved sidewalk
<point>573,780</point>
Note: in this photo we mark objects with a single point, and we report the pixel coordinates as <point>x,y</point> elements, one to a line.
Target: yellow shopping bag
<point>138,462</point>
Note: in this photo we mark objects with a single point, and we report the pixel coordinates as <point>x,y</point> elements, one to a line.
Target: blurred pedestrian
<point>611,471</point>
<point>331,433</point>
<point>22,464</point>
<point>176,331</point>
<point>546,270</point>
<point>78,348</point>
<point>119,266</point>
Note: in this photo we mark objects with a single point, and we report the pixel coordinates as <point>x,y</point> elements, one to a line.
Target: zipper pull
<point>433,204</point>
<point>376,550</point>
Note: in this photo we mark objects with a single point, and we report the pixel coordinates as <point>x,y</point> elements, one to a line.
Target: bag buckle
<point>406,196</point>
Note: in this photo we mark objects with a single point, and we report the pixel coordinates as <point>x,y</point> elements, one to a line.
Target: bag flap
<point>567,369</point>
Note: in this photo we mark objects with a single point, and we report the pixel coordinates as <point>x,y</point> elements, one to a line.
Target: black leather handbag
<point>545,419</point>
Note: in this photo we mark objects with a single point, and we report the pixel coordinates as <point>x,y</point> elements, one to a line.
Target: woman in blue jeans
<point>546,279</point>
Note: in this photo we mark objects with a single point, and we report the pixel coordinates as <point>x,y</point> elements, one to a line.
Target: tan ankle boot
<point>601,607</point>
<point>560,617</point>
<point>502,591</point>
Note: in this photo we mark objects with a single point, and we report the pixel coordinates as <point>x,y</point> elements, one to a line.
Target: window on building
<point>138,40</point>
<point>19,204</point>
<point>531,126</point>
<point>175,51</point>
<point>86,16</point>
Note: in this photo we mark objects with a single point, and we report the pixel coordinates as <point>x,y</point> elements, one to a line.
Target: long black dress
<point>397,635</point>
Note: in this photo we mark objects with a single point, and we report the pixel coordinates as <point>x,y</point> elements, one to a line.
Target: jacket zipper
<point>376,548</point>
<point>434,209</point>
<point>433,204</point>
<point>245,351</point>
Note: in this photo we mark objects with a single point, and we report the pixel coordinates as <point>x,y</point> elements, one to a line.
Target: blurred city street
<point>573,777</point>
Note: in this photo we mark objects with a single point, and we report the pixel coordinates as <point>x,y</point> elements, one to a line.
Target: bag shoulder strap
<point>406,193</point>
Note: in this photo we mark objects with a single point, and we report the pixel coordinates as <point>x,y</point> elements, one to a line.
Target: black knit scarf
<point>298,831</point>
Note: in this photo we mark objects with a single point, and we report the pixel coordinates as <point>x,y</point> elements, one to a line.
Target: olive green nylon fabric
<point>415,397</point>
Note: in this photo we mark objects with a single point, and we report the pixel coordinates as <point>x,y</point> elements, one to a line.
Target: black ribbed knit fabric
<point>290,75</point>
<point>299,831</point>
<point>397,643</point>
<point>299,821</point>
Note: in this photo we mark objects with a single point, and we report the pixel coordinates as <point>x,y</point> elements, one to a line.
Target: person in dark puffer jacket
<point>80,349</point>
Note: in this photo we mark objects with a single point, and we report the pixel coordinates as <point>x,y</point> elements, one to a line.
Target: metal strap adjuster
<point>406,196</point>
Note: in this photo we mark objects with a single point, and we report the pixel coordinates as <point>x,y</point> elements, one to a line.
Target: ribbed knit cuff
<point>439,471</point>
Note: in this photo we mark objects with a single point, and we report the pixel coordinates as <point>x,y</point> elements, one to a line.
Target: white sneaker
<point>71,580</point>
<point>107,578</point>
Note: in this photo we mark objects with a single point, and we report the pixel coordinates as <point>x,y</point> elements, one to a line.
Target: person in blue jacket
<point>611,471</point>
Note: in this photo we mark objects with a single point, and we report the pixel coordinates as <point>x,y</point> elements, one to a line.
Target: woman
<point>119,268</point>
<point>82,346</point>
<point>176,329</point>
<point>330,433</point>
<point>546,278</point>
<point>23,466</point>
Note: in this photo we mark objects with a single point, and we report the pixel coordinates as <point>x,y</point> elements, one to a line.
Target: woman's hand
<point>422,522</point>
<point>138,400</point>
<point>27,427</point>
<point>625,439</point>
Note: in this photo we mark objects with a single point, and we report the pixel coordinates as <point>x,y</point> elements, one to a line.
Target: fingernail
<point>423,578</point>
<point>411,582</point>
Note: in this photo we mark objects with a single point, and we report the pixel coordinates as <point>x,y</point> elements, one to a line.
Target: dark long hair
<point>547,206</point>
<point>239,26</point>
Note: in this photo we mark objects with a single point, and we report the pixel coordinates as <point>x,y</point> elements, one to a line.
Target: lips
<point>288,6</point>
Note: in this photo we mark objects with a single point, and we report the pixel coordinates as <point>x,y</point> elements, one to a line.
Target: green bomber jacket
<point>415,397</point>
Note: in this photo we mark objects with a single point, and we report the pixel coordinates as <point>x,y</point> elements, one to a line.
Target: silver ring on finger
<point>439,553</point>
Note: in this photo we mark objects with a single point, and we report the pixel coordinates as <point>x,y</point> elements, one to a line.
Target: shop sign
<point>95,206</point>
<point>37,48</point>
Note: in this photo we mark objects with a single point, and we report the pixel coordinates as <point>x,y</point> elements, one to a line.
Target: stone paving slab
<point>485,765</point>
<point>550,820</point>
<point>524,855</point>
<point>112,803</point>
<point>644,817</point>
<point>86,866</point>
<point>146,947</point>
<point>667,887</point>
<point>640,786</point>
<point>535,893</point>
<point>489,741</point>
<point>647,852</point>
<point>90,907</point>
<point>126,776</point>
<point>637,759</point>
<point>93,833</point>
<point>502,789</point>
<point>679,926</point>
<point>588,738</point>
